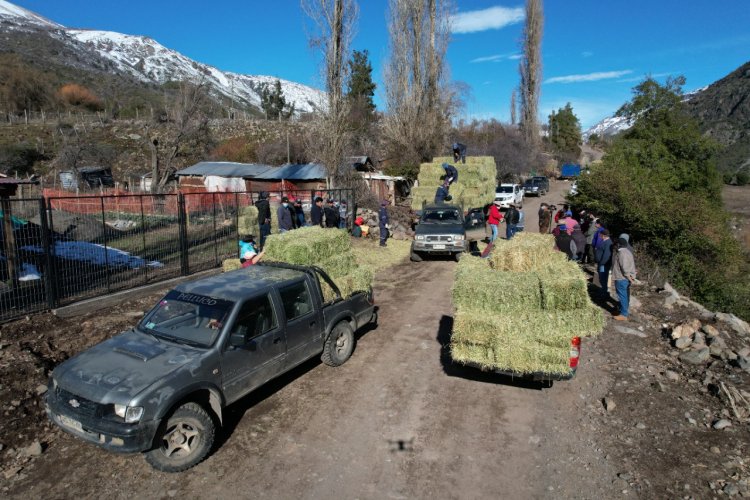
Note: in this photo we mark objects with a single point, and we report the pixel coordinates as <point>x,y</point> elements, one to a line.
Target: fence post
<point>182,222</point>
<point>354,209</point>
<point>104,234</point>
<point>216,249</point>
<point>50,276</point>
<point>143,238</point>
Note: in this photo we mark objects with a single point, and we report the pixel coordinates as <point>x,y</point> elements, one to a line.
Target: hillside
<point>121,66</point>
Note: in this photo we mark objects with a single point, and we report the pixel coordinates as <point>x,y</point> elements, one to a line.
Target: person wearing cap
<point>332,215</point>
<point>442,195</point>
<point>383,222</point>
<point>247,243</point>
<point>316,212</point>
<point>603,257</point>
<point>545,218</point>
<point>565,242</point>
<point>599,227</point>
<point>512,217</point>
<point>626,237</point>
<point>264,217</point>
<point>284,216</point>
<point>251,257</point>
<point>623,274</point>
<point>494,218</point>
<point>299,213</point>
<point>459,151</point>
<point>451,173</point>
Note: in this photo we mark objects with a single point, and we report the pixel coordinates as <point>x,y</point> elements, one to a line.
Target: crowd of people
<point>584,238</point>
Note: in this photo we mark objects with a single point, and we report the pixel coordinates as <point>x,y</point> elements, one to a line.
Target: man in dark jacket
<point>603,257</point>
<point>316,212</point>
<point>451,174</point>
<point>332,215</point>
<point>284,216</point>
<point>264,216</point>
<point>512,217</point>
<point>383,222</point>
<point>441,195</point>
<point>580,240</point>
<point>459,151</point>
<point>299,213</point>
<point>565,242</point>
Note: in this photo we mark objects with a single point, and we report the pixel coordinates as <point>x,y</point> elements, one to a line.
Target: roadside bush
<point>19,158</point>
<point>743,179</point>
<point>78,95</point>
<point>237,149</point>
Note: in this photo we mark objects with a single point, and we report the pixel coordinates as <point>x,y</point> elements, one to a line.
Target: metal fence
<point>64,249</point>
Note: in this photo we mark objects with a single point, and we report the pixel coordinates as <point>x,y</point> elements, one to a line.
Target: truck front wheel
<point>184,441</point>
<point>339,345</point>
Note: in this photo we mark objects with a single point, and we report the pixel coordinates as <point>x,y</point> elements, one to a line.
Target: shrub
<point>78,95</point>
<point>237,149</point>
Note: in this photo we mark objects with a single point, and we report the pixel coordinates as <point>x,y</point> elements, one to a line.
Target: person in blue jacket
<point>284,216</point>
<point>603,257</point>
<point>442,194</point>
<point>383,222</point>
<point>459,151</point>
<point>451,174</point>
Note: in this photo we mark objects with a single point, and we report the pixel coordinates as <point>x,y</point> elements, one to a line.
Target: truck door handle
<point>276,340</point>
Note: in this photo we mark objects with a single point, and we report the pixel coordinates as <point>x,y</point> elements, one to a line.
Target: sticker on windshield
<point>150,325</point>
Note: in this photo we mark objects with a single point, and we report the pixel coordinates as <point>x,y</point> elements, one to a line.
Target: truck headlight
<point>131,414</point>
<point>419,237</point>
<point>458,237</point>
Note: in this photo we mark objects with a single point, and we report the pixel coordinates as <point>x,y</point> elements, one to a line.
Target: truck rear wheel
<point>184,441</point>
<point>339,345</point>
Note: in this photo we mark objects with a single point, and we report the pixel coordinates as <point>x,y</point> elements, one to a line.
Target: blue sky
<point>594,52</point>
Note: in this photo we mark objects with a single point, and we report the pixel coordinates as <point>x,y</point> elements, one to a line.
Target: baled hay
<point>359,280</point>
<point>470,160</point>
<point>479,287</point>
<point>522,255</point>
<point>248,221</point>
<point>369,255</point>
<point>338,265</point>
<point>307,246</point>
<point>564,288</point>
<point>231,265</point>
<point>472,173</point>
<point>472,353</point>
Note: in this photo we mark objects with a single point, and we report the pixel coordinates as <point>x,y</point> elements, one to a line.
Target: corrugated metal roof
<point>225,169</point>
<point>306,172</point>
<point>11,180</point>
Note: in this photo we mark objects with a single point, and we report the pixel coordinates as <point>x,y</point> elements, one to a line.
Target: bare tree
<point>334,21</point>
<point>513,108</point>
<point>419,102</point>
<point>184,125</point>
<point>531,71</point>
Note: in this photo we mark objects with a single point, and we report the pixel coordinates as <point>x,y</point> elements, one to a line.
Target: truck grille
<point>84,406</point>
<point>434,239</point>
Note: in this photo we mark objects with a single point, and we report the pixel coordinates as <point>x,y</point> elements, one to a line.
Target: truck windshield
<point>188,318</point>
<point>438,216</point>
<point>504,189</point>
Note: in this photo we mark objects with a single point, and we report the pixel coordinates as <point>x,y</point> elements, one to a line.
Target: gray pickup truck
<point>161,387</point>
<point>445,230</point>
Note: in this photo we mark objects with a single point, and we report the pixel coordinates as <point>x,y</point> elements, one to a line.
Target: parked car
<point>574,188</point>
<point>509,193</point>
<point>441,231</point>
<point>532,187</point>
<point>543,183</point>
<point>161,388</point>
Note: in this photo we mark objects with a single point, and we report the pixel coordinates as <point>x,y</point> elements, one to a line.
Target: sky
<point>594,51</point>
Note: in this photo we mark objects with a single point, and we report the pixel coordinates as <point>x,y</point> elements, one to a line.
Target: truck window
<point>296,300</point>
<point>255,318</point>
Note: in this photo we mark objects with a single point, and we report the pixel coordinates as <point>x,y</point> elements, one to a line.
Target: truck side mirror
<point>238,338</point>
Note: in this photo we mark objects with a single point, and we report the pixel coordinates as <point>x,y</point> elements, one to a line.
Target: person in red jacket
<point>494,218</point>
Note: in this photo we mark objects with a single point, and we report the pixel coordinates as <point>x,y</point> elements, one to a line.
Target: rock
<point>635,303</point>
<point>744,363</point>
<point>624,476</point>
<point>730,354</point>
<point>721,424</point>
<point>630,331</point>
<point>744,352</point>
<point>134,137</point>
<point>731,489</point>
<point>716,341</point>
<point>672,376</point>
<point>699,338</point>
<point>736,323</point>
<point>41,389</point>
<point>710,331</point>
<point>715,450</point>
<point>133,314</point>
<point>683,342</point>
<point>716,351</point>
<point>609,405</point>
<point>9,473</point>
<point>33,450</point>
<point>172,493</point>
<point>640,425</point>
<point>686,329</point>
<point>670,301</point>
<point>695,357</point>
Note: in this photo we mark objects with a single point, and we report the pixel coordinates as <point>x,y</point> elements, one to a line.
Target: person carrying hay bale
<point>451,174</point>
<point>442,195</point>
<point>459,151</point>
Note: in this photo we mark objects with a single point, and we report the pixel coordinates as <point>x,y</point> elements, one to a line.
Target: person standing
<point>494,217</point>
<point>383,222</point>
<point>511,219</point>
<point>603,257</point>
<point>599,226</point>
<point>299,213</point>
<point>332,215</point>
<point>342,215</point>
<point>284,216</point>
<point>545,219</point>
<point>459,151</point>
<point>623,274</point>
<point>580,241</point>
<point>264,216</point>
<point>589,229</point>
<point>316,212</point>
<point>565,242</point>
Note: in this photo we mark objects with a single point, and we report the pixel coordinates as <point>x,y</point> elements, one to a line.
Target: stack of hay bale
<point>475,187</point>
<point>329,249</point>
<point>247,221</point>
<point>519,310</point>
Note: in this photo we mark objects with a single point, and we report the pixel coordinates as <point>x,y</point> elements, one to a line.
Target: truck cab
<point>161,387</point>
<point>441,231</point>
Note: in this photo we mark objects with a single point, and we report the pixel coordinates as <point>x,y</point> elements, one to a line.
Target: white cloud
<point>587,53</point>
<point>588,77</point>
<point>643,77</point>
<point>589,111</point>
<point>496,58</point>
<point>486,19</point>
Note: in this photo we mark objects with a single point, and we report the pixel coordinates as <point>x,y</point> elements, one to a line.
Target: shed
<point>302,176</point>
<point>87,177</point>
<point>221,175</point>
<point>361,163</point>
<point>386,186</point>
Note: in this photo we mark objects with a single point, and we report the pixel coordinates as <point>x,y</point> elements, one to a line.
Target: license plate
<point>438,247</point>
<point>69,422</point>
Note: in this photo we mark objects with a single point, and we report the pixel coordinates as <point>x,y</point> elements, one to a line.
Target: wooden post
<point>10,239</point>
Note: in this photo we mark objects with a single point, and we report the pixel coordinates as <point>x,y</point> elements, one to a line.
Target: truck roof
<point>239,284</point>
<point>441,207</point>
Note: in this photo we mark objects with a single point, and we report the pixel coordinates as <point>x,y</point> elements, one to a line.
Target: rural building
<point>222,176</point>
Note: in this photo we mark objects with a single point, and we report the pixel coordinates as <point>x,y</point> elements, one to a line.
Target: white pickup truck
<point>509,193</point>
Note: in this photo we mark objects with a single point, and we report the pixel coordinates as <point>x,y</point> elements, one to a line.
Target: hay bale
<point>478,287</point>
<point>475,186</point>
<point>526,254</point>
<point>564,288</point>
<point>307,246</point>
<point>248,221</point>
<point>338,265</point>
<point>231,265</point>
<point>359,280</point>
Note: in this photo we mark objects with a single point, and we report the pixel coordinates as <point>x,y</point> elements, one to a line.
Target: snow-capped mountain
<point>145,59</point>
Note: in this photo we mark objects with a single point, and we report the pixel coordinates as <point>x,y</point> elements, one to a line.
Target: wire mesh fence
<point>64,249</point>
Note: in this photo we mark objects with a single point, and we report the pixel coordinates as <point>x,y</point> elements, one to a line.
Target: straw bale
<point>248,221</point>
<point>338,265</point>
<point>469,160</point>
<point>307,245</point>
<point>479,287</point>
<point>470,353</point>
<point>564,288</point>
<point>231,265</point>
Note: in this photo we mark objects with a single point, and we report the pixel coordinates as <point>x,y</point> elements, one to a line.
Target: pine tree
<point>361,88</point>
<point>273,102</point>
<point>565,133</point>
